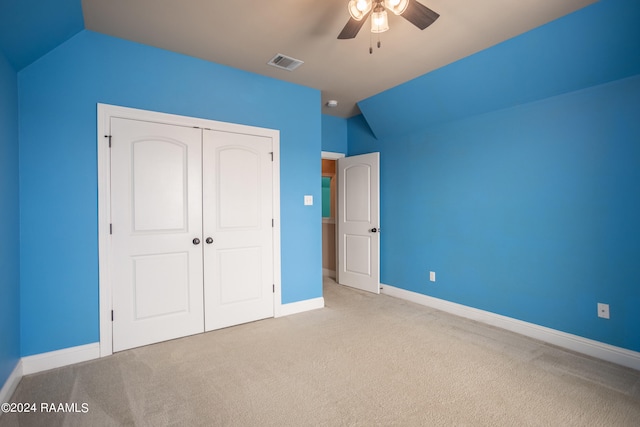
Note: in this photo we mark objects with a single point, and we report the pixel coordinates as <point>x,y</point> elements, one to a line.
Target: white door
<point>156,205</point>
<point>358,222</point>
<point>238,228</point>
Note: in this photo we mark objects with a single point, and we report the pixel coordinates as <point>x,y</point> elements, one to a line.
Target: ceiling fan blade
<point>419,15</point>
<point>351,29</point>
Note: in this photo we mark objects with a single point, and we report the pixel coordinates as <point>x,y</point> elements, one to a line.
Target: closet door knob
<point>209,240</point>
<point>196,241</point>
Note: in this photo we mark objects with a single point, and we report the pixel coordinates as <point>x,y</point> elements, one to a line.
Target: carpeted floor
<point>364,360</point>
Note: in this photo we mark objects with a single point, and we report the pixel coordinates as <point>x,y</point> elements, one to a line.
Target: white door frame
<point>330,155</point>
<point>105,113</point>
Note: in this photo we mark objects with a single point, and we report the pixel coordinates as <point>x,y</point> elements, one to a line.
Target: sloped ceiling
<point>31,28</point>
<point>246,34</point>
<point>595,45</point>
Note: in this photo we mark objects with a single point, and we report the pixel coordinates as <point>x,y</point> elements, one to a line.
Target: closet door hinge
<point>110,228</point>
<point>274,289</point>
<point>271,152</point>
<point>273,222</point>
<point>112,315</point>
<point>108,136</point>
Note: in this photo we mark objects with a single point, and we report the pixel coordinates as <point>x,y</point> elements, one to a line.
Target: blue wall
<point>334,134</point>
<point>9,222</point>
<point>530,212</point>
<point>58,96</point>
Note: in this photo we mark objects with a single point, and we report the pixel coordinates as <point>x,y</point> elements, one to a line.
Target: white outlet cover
<point>432,276</point>
<point>308,200</point>
<point>603,310</point>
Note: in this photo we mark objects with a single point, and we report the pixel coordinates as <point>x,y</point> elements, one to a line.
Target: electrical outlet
<point>603,310</point>
<point>432,276</point>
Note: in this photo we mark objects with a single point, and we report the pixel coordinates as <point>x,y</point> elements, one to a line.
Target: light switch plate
<point>308,200</point>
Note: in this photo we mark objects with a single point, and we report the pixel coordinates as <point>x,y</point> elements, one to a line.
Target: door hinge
<point>271,152</point>
<point>110,228</point>
<point>274,289</point>
<point>112,315</point>
<point>108,136</point>
<point>273,222</point>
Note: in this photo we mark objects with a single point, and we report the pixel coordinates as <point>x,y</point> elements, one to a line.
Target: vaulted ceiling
<point>246,34</point>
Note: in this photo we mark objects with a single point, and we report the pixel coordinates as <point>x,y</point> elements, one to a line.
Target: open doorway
<point>351,226</point>
<point>329,212</point>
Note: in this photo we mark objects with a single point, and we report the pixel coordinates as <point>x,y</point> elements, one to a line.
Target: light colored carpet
<point>364,360</point>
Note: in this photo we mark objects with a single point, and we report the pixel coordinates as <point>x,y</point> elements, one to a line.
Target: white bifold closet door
<point>192,231</point>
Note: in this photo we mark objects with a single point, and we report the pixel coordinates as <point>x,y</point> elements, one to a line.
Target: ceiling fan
<point>414,12</point>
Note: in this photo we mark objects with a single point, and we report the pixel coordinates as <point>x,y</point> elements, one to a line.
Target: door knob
<point>196,241</point>
<point>209,240</point>
<point>374,230</point>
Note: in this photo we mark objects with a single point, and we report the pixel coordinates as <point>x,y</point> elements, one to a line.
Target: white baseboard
<point>300,306</point>
<point>12,382</point>
<point>56,359</point>
<point>597,349</point>
<point>45,361</point>
<point>330,273</point>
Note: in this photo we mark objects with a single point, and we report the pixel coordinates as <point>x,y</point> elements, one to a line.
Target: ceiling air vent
<point>285,62</point>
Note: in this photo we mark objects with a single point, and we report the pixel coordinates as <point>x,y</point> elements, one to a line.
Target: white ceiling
<point>245,34</point>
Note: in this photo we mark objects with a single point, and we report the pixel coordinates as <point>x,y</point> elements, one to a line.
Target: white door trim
<point>330,155</point>
<point>105,113</point>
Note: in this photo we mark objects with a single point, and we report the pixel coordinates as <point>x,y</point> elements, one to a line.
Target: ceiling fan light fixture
<point>358,9</point>
<point>379,21</point>
<point>396,6</point>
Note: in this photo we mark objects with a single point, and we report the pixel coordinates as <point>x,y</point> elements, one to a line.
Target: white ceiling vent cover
<point>285,62</point>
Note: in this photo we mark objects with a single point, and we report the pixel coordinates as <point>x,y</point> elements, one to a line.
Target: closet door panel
<point>237,218</point>
<point>156,201</point>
